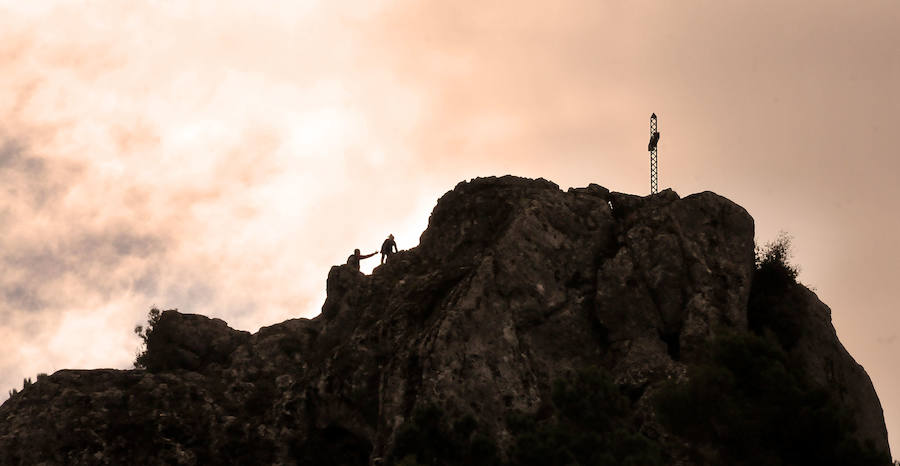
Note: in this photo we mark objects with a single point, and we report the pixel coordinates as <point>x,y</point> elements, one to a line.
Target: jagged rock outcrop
<point>515,284</point>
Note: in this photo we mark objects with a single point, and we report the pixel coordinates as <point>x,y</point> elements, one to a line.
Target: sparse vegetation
<point>144,332</point>
<point>26,382</point>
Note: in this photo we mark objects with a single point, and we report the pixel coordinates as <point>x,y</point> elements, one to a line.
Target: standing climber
<point>354,258</point>
<point>388,247</point>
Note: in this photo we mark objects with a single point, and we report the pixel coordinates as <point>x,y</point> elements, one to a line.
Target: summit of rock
<point>515,286</point>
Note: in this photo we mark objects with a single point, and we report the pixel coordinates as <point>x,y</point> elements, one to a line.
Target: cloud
<point>54,246</point>
<point>29,181</point>
<point>217,166</point>
<point>218,157</point>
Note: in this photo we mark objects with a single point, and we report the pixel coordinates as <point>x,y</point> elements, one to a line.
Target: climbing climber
<point>388,247</point>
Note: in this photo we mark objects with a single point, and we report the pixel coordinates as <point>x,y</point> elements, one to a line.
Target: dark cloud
<point>90,256</point>
<point>25,178</point>
<point>47,253</point>
<point>19,296</point>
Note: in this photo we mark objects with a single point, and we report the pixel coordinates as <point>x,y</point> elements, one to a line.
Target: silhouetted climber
<point>388,247</point>
<point>354,258</point>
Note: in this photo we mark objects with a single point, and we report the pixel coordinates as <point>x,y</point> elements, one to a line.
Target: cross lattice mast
<point>654,139</point>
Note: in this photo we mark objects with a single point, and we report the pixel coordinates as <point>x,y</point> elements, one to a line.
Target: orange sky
<point>220,157</point>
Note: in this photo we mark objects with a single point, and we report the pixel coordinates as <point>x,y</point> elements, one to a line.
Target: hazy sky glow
<point>220,157</point>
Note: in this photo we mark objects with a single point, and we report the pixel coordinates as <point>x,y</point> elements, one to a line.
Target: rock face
<point>515,284</point>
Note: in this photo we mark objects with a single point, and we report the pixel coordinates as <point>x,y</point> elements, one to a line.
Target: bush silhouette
<point>775,295</point>
<point>774,258</point>
<point>26,382</point>
<point>140,362</point>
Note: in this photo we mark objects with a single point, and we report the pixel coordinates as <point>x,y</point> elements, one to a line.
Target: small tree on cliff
<point>775,295</point>
<point>140,362</point>
<point>773,261</point>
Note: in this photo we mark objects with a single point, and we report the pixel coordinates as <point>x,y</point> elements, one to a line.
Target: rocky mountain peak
<point>527,322</point>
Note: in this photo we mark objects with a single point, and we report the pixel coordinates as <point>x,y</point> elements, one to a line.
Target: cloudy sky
<point>219,157</point>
